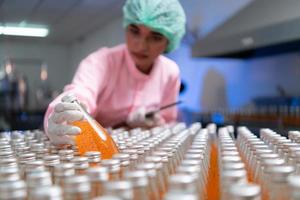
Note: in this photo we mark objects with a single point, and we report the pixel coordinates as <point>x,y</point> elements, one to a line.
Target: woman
<point>124,82</point>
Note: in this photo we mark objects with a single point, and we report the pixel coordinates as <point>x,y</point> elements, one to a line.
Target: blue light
<point>217,118</point>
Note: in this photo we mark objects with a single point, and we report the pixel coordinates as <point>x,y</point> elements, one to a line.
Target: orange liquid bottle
<point>93,136</point>
<point>213,184</point>
<point>90,140</point>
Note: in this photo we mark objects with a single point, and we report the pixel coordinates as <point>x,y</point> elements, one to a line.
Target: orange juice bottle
<point>93,136</point>
<point>213,181</point>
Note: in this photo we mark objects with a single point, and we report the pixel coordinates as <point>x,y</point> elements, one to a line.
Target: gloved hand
<point>138,119</point>
<point>59,130</point>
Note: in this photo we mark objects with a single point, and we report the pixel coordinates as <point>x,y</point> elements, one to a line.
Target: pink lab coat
<point>111,87</point>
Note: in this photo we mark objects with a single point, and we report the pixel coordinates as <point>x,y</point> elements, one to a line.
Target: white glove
<point>138,119</point>
<point>59,130</point>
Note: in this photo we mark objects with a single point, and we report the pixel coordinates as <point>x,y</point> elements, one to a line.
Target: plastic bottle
<point>93,136</point>
<point>246,191</point>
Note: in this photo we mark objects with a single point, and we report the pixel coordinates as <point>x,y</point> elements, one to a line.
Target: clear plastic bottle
<point>47,193</point>
<point>161,171</point>
<point>38,180</point>
<point>66,155</point>
<point>8,162</point>
<point>94,158</point>
<point>50,162</point>
<point>93,136</point>
<point>38,149</point>
<point>98,177</point>
<point>139,183</point>
<point>62,171</point>
<point>183,184</point>
<point>277,181</point>
<point>149,168</point>
<point>81,164</point>
<point>7,152</point>
<point>230,177</point>
<point>245,191</point>
<point>23,159</point>
<point>107,197</point>
<point>113,167</point>
<point>13,190</point>
<point>77,187</point>
<point>262,176</point>
<point>197,173</point>
<point>294,187</point>
<point>9,174</point>
<point>180,195</point>
<point>33,167</point>
<point>297,162</point>
<point>170,163</point>
<point>124,162</point>
<point>122,189</point>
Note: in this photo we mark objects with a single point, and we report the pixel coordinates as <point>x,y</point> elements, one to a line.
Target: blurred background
<point>239,60</point>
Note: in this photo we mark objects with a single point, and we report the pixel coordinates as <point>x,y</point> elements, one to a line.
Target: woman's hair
<point>164,16</point>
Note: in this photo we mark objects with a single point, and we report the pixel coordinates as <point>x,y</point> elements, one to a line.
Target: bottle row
<point>167,162</point>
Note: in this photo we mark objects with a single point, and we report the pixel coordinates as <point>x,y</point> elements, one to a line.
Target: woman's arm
<point>88,82</point>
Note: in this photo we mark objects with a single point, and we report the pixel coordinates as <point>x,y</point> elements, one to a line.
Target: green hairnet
<point>164,16</point>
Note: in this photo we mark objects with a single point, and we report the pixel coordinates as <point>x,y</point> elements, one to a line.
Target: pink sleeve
<point>171,92</point>
<point>88,82</point>
<point>90,79</point>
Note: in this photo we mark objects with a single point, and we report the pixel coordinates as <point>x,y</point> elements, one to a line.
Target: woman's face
<point>144,45</point>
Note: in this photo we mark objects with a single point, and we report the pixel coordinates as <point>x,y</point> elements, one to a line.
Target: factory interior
<point>236,67</point>
<point>239,64</point>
